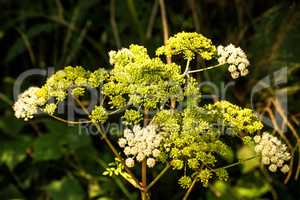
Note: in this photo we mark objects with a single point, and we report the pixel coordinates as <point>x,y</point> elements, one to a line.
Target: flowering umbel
<point>189,138</point>
<point>27,104</point>
<point>236,58</point>
<point>141,143</point>
<point>273,152</point>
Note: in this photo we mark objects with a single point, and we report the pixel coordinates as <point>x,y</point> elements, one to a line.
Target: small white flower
<point>140,157</point>
<point>285,169</point>
<point>273,168</point>
<point>147,152</point>
<point>241,66</point>
<point>220,49</point>
<point>258,148</point>
<point>235,74</point>
<point>274,159</point>
<point>244,72</point>
<point>127,151</point>
<point>257,139</point>
<point>128,134</point>
<point>156,153</point>
<point>129,162</point>
<point>222,60</point>
<point>279,163</point>
<point>232,68</point>
<point>265,160</point>
<point>150,162</point>
<point>111,55</point>
<point>122,142</point>
<point>286,156</point>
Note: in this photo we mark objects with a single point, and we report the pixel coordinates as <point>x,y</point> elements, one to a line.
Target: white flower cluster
<point>141,143</point>
<point>273,152</point>
<point>236,58</point>
<point>27,104</point>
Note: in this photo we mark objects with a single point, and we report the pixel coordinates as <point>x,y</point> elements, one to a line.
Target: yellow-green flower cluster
<point>192,92</point>
<point>190,141</point>
<point>97,78</point>
<point>98,115</point>
<point>272,151</point>
<point>132,117</point>
<point>236,118</point>
<point>188,44</point>
<point>139,80</point>
<point>185,182</point>
<point>59,84</point>
<point>74,79</point>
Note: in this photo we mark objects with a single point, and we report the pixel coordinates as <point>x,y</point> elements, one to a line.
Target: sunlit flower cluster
<point>141,143</point>
<point>236,58</point>
<point>123,53</point>
<point>27,104</point>
<point>272,151</point>
<point>189,45</point>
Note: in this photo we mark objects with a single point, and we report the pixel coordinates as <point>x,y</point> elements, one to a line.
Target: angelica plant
<point>159,103</point>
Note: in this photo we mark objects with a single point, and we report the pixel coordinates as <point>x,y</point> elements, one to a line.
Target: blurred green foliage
<point>49,160</point>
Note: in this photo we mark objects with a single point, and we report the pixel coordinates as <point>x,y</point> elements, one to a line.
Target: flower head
<point>27,104</point>
<point>236,58</point>
<point>98,115</point>
<point>272,151</point>
<point>188,44</point>
<point>141,143</point>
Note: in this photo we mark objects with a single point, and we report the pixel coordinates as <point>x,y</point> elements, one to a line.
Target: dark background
<point>44,159</point>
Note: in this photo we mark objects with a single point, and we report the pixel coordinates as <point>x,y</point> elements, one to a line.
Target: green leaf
<point>10,125</point>
<point>67,189</point>
<point>19,46</point>
<point>61,139</point>
<point>13,152</point>
<point>11,192</point>
<point>249,165</point>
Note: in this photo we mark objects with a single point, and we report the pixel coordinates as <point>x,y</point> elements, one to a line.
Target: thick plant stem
<point>115,152</point>
<point>144,163</point>
<point>164,24</point>
<point>111,146</point>
<point>164,21</point>
<point>144,180</point>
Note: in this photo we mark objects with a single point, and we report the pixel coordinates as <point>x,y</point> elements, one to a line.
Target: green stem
<point>111,146</point>
<point>115,152</point>
<point>225,167</point>
<point>190,189</point>
<point>187,67</point>
<point>204,69</point>
<point>70,122</point>
<point>236,163</point>
<point>158,177</point>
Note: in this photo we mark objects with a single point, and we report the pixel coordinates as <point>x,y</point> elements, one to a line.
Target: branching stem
<point>225,167</point>
<point>203,69</point>
<point>158,177</point>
